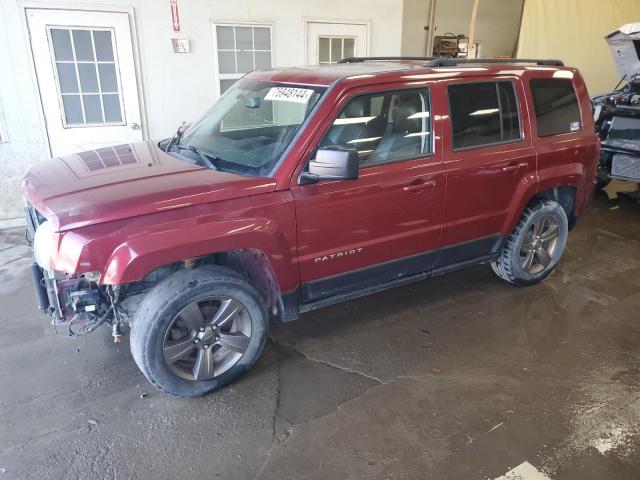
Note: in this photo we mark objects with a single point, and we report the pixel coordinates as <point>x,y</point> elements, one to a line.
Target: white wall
<point>415,16</point>
<point>176,86</point>
<point>26,141</point>
<point>497,23</point>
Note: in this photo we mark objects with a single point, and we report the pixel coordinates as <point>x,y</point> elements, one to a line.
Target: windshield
<point>247,130</point>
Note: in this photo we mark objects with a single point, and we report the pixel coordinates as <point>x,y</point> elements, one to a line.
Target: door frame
<point>25,5</point>
<point>307,20</point>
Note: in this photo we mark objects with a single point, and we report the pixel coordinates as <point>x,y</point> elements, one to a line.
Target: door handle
<point>513,168</point>
<point>419,185</point>
<point>135,126</point>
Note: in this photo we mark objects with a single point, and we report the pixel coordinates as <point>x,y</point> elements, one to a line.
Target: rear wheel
<point>535,246</point>
<point>198,331</point>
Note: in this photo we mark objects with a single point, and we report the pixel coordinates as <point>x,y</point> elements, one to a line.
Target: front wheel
<point>535,246</point>
<point>198,330</point>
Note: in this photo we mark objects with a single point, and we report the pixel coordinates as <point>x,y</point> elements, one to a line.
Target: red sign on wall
<point>175,17</point>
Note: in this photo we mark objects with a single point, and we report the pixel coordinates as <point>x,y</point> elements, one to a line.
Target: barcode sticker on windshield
<point>287,94</point>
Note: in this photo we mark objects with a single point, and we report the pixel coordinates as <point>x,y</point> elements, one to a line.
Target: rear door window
<point>556,106</point>
<point>483,114</point>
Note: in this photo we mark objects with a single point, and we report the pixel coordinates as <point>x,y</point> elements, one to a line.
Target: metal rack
<point>366,59</point>
<point>456,62</point>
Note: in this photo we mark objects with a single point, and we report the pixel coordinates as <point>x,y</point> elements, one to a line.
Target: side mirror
<point>332,162</point>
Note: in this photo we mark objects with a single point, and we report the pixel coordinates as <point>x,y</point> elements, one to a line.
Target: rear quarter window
<point>556,106</point>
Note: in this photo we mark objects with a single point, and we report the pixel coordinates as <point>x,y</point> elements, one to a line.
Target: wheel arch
<point>564,194</point>
<point>251,264</point>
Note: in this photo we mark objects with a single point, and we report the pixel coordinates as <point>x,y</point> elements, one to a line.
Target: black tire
<point>167,300</point>
<point>602,178</point>
<point>510,267</point>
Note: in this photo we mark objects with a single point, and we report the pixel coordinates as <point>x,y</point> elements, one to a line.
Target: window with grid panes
<point>333,49</point>
<point>86,72</point>
<point>241,49</point>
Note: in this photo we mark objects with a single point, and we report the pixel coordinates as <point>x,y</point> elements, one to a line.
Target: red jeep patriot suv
<point>304,187</point>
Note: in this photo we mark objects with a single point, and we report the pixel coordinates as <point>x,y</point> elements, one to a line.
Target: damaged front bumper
<point>63,296</point>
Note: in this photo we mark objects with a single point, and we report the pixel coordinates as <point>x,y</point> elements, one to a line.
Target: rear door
<point>353,234</point>
<point>489,157</point>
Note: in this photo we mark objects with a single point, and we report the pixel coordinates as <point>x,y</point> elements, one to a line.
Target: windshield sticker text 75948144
<point>288,94</point>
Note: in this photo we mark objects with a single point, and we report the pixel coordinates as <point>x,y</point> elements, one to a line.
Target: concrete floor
<point>457,377</point>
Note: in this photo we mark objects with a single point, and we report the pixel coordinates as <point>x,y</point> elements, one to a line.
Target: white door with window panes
<point>240,49</point>
<point>86,76</point>
<point>328,43</point>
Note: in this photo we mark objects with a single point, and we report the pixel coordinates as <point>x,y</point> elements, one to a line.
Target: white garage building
<point>79,75</point>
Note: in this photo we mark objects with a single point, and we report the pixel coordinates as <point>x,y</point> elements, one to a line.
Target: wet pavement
<point>457,377</point>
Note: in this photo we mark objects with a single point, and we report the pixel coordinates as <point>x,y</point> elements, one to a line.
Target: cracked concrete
<point>457,377</point>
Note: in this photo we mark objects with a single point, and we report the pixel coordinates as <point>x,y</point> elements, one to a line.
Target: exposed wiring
<point>89,326</point>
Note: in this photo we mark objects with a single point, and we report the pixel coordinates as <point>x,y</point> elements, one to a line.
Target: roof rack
<point>453,62</point>
<point>366,59</point>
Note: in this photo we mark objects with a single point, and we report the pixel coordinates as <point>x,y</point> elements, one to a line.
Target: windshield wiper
<point>206,158</point>
<point>177,138</point>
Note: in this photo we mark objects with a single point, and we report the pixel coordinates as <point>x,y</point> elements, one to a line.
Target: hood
<point>625,48</point>
<point>124,181</point>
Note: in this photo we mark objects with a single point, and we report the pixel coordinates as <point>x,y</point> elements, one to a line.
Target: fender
<point>126,251</point>
<point>133,259</point>
<point>565,175</point>
<point>526,189</point>
<point>571,175</point>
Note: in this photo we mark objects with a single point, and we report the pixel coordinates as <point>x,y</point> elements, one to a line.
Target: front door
<point>383,226</point>
<point>86,75</point>
<point>330,42</point>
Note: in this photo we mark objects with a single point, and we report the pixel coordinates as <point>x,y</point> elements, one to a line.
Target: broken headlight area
<point>76,301</point>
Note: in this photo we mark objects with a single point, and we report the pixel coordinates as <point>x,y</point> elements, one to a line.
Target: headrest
<point>355,108</point>
<point>401,113</point>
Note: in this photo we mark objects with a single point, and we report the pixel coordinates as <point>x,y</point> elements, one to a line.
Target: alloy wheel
<point>539,244</point>
<point>207,338</point>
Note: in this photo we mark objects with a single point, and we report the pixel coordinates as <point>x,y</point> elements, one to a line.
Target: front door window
<point>384,127</point>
